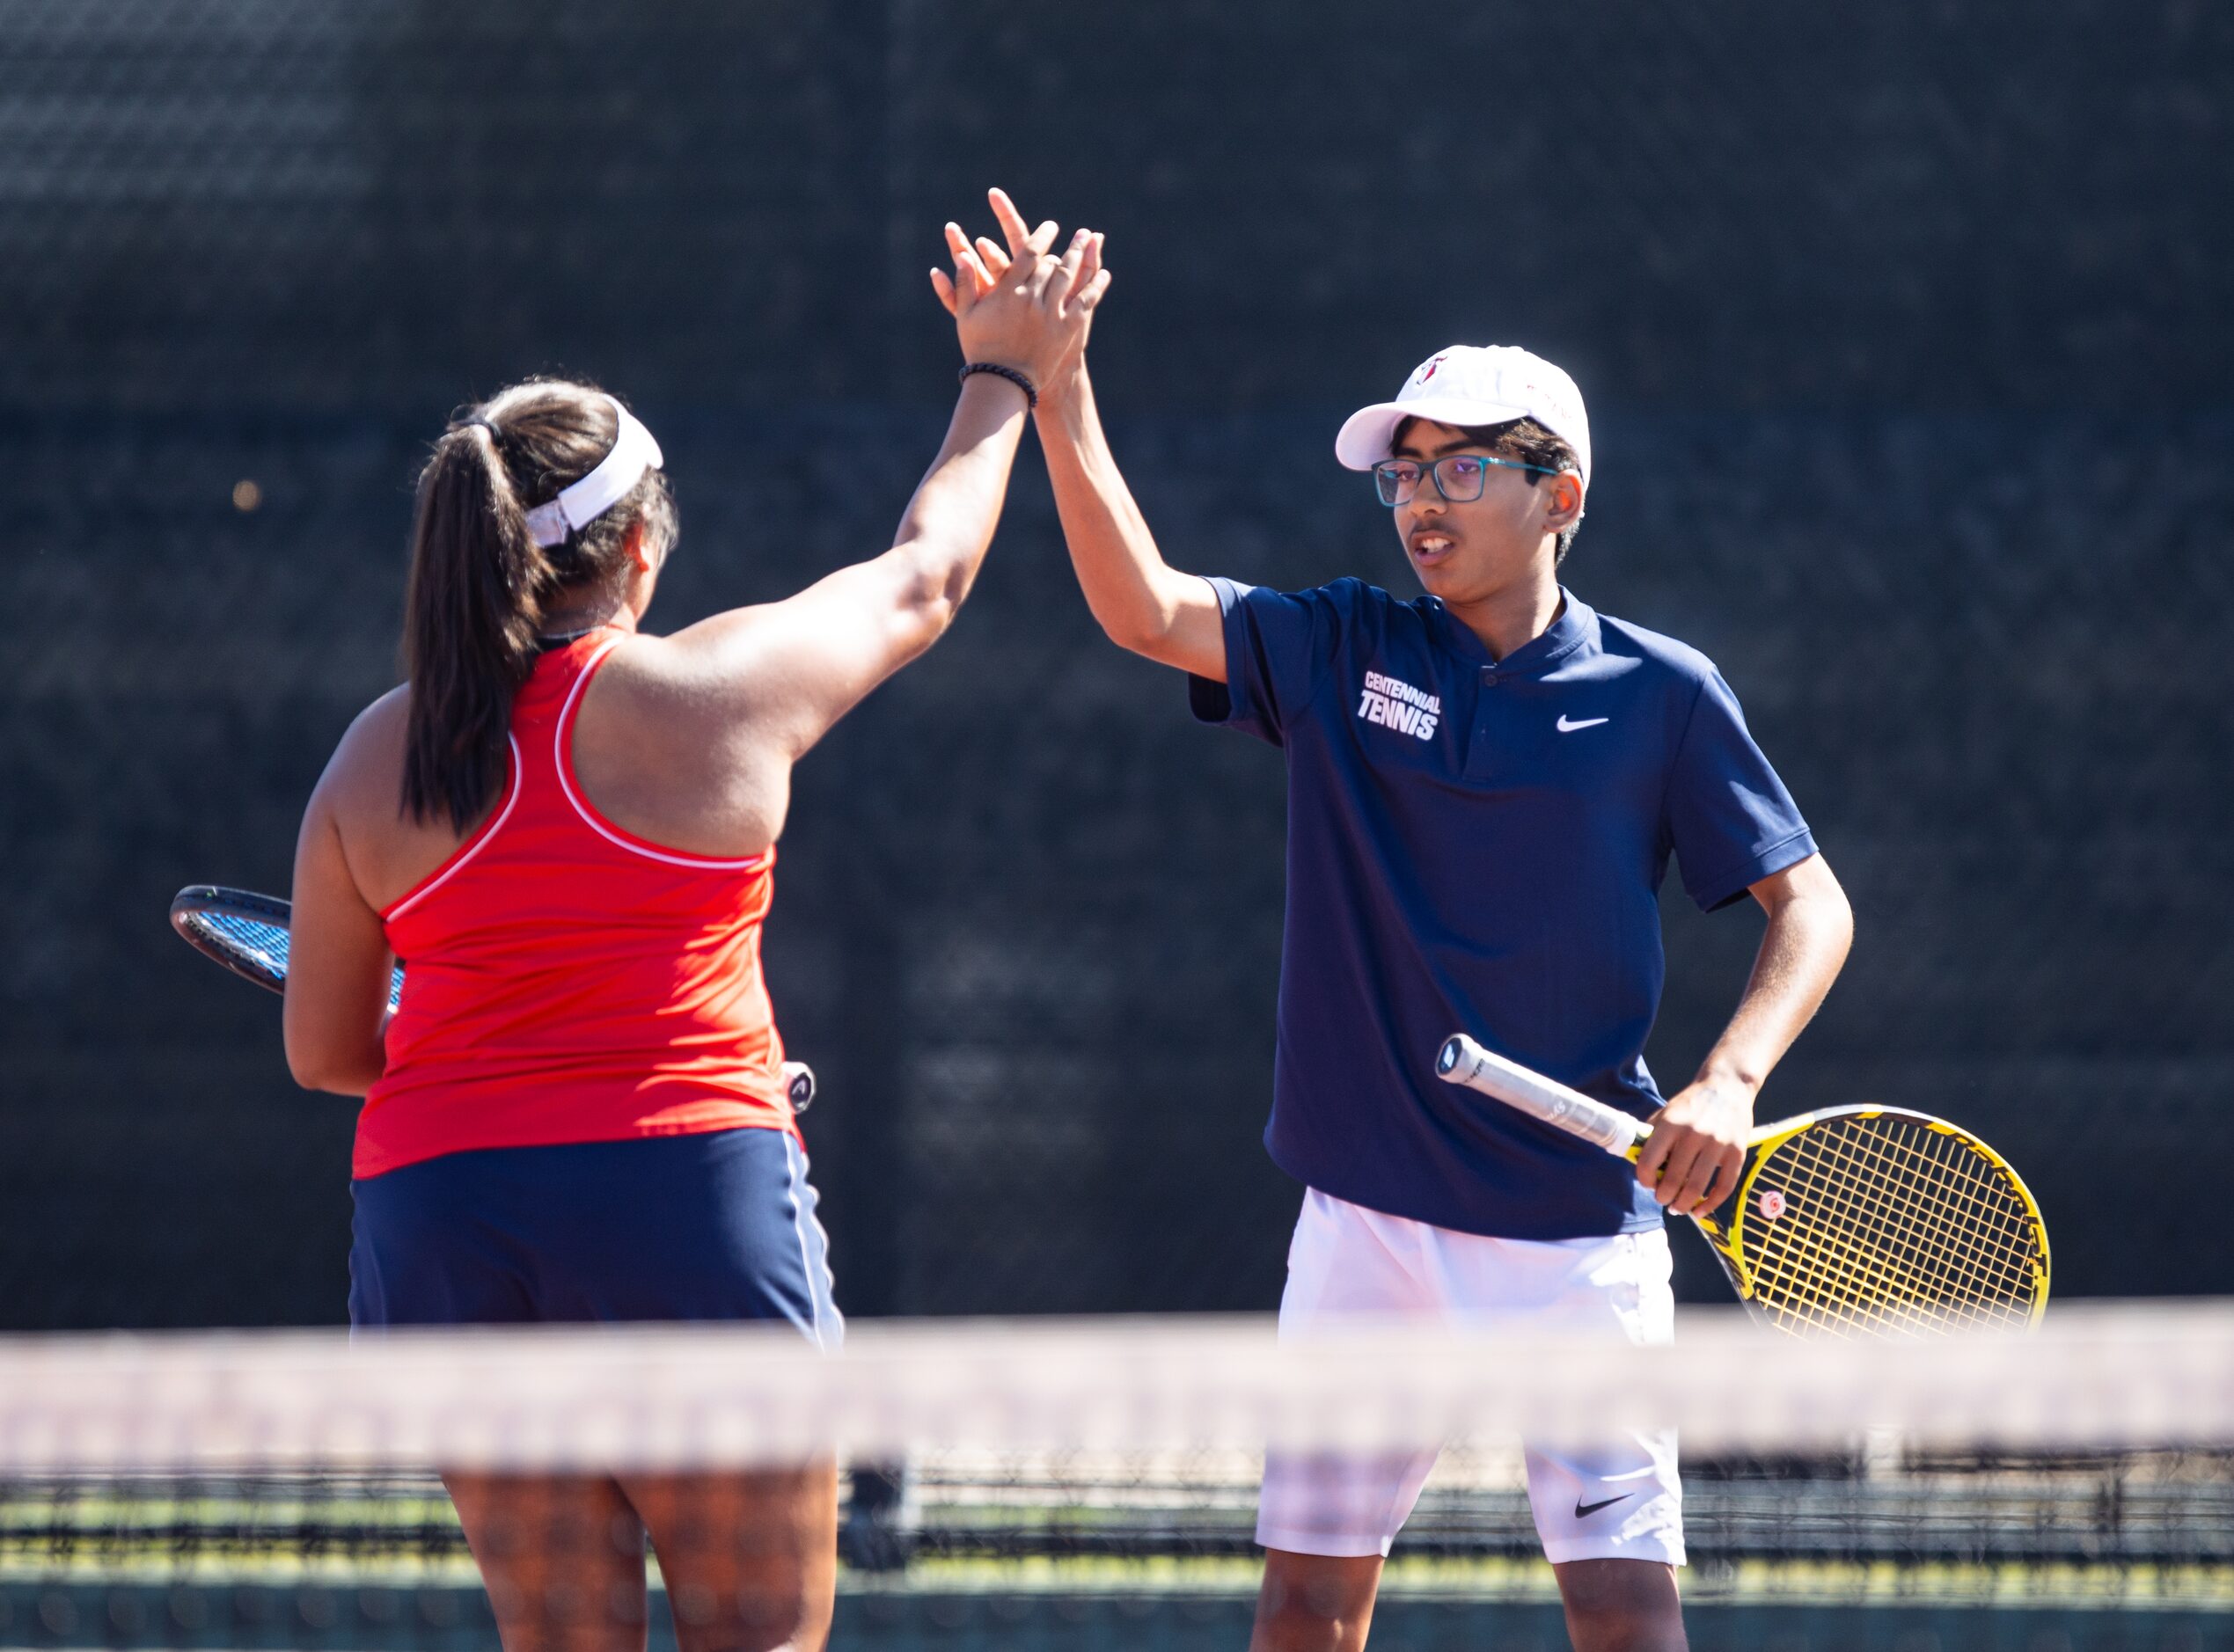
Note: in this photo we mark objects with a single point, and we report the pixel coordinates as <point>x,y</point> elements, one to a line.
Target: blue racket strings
<point>254,939</point>
<point>264,944</point>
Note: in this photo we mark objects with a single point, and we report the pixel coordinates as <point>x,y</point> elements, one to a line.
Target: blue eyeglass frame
<point>1384,483</point>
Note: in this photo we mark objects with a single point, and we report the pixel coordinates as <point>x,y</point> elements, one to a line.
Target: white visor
<point>583,503</point>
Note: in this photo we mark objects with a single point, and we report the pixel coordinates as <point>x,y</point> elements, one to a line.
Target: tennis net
<point>1020,1484</point>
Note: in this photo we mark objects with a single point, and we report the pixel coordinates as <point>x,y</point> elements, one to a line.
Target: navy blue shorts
<point>718,1225</point>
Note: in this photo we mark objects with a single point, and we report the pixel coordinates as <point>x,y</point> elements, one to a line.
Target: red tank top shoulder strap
<point>550,674</point>
<point>456,860</point>
<point>569,685</point>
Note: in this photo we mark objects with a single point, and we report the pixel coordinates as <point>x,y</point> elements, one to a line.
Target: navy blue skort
<point>718,1225</point>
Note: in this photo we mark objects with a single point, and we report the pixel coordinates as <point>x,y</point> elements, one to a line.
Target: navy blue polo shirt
<point>1476,845</point>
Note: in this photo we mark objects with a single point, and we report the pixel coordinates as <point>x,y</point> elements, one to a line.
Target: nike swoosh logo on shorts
<point>1568,725</point>
<point>1584,1510</point>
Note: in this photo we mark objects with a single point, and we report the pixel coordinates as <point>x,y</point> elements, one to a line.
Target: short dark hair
<point>1527,440</point>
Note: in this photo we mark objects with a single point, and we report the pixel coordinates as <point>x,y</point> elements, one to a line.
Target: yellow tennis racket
<point>1861,1221</point>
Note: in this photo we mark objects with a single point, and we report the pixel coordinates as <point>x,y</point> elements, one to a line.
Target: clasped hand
<point>1022,306</point>
<point>1690,1162</point>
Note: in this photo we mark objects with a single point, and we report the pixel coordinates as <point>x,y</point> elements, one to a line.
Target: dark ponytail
<point>479,585</point>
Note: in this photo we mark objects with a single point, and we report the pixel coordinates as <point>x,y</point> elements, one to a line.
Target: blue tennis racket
<point>244,931</point>
<point>247,933</point>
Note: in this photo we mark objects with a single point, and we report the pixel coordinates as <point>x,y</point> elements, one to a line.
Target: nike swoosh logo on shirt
<point>1584,1510</point>
<point>1568,725</point>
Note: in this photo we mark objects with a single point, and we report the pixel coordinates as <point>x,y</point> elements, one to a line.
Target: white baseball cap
<point>1471,384</point>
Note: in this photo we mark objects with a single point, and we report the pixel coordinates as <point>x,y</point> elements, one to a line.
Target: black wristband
<point>1031,393</point>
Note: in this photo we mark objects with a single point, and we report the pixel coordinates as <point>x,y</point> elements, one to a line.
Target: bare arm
<point>1142,603</point>
<point>337,979</point>
<point>790,669</point>
<point>1698,1138</point>
<point>793,668</point>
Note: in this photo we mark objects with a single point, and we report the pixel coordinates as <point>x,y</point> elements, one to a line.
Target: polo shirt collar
<point>1575,625</point>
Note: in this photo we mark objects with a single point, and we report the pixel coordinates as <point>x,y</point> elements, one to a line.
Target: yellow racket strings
<point>1889,1226</point>
<point>1831,1261</point>
<point>1960,1244</point>
<point>1901,1230</point>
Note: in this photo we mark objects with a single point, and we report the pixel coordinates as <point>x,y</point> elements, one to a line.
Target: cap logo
<point>1433,362</point>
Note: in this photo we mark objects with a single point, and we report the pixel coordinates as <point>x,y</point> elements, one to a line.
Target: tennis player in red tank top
<point>568,828</point>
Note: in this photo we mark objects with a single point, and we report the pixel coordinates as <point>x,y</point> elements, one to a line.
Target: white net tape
<point>2095,1375</point>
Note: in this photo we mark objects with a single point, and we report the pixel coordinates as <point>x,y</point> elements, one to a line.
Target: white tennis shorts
<point>1617,1500</point>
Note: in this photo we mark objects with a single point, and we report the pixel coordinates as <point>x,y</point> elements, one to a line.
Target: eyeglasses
<point>1459,477</point>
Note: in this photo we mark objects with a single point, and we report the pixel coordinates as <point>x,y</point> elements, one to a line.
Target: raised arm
<point>792,668</point>
<point>1141,601</point>
<point>1144,604</point>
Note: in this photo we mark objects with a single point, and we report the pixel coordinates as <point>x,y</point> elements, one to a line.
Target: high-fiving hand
<point>1022,306</point>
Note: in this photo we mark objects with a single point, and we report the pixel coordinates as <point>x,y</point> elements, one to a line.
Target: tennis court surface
<point>1092,1483</point>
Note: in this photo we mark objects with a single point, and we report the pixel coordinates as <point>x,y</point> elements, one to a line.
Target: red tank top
<point>566,980</point>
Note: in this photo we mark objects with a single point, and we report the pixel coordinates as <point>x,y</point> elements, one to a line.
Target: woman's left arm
<point>338,962</point>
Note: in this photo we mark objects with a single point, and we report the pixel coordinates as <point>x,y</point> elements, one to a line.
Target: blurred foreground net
<point>280,1490</point>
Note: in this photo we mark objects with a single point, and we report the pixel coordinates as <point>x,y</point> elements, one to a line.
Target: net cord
<point>672,1396</point>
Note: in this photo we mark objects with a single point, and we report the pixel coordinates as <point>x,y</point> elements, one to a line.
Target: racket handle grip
<point>1462,1061</point>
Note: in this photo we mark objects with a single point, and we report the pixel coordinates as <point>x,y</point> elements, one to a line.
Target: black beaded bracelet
<point>1031,393</point>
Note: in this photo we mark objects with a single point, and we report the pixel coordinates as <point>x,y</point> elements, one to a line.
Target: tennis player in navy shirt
<point>1485,784</point>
